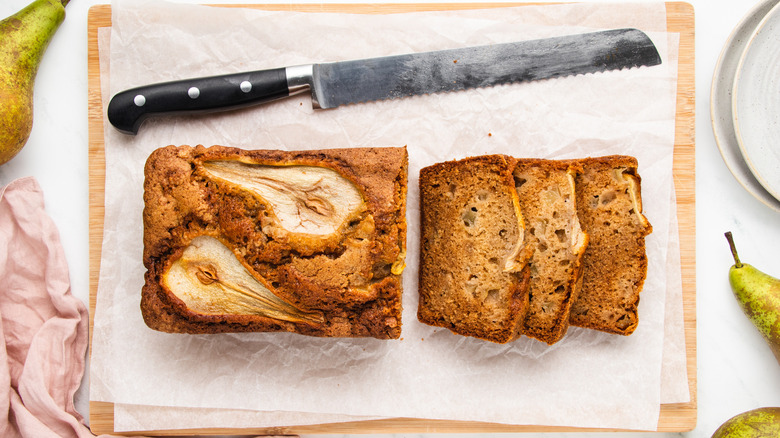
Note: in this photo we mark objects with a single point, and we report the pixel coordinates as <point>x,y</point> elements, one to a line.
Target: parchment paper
<point>589,379</point>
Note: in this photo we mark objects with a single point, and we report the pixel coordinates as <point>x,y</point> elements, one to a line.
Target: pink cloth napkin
<point>44,327</point>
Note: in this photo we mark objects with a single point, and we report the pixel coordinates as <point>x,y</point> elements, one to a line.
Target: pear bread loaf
<point>577,250</point>
<point>548,200</point>
<point>609,205</point>
<point>473,271</point>
<point>308,242</point>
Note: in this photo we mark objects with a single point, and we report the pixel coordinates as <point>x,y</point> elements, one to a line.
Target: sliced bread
<point>609,205</point>
<point>473,271</point>
<point>546,190</point>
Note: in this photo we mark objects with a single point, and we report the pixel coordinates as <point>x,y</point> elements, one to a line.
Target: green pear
<point>758,295</point>
<point>24,37</point>
<point>758,423</point>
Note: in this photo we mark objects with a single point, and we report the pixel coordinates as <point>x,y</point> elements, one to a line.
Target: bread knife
<point>390,77</point>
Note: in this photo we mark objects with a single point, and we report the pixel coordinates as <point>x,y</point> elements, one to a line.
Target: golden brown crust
<point>473,272</point>
<point>346,276</point>
<point>615,262</point>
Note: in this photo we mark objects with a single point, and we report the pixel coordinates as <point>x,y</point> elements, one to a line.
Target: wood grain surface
<point>673,417</point>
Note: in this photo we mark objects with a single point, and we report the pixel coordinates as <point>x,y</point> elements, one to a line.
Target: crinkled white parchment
<point>588,379</point>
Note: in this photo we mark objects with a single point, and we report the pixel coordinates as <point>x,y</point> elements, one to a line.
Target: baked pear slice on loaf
<point>473,262</point>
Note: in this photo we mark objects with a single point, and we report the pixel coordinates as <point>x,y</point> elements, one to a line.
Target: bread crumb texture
<point>615,262</point>
<point>471,280</point>
<point>309,242</point>
<point>529,246</point>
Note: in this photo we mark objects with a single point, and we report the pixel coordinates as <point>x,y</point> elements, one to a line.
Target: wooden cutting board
<point>673,418</point>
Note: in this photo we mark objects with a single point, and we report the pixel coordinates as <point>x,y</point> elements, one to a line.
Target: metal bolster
<point>300,78</point>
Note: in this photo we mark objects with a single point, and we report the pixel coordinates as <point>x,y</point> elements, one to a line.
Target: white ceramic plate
<point>721,103</point>
<point>756,102</point>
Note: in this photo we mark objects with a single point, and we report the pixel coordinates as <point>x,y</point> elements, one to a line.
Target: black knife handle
<point>128,109</point>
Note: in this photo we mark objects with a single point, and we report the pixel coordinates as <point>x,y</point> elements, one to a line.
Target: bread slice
<point>547,197</point>
<point>473,277</point>
<point>609,205</point>
<point>309,242</point>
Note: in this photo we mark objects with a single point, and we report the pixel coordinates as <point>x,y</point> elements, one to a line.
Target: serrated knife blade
<point>390,77</point>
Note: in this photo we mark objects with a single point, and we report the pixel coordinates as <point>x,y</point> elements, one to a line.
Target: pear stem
<point>737,263</point>
<point>64,2</point>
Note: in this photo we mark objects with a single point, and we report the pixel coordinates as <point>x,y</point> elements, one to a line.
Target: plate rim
<point>720,91</point>
<point>738,76</point>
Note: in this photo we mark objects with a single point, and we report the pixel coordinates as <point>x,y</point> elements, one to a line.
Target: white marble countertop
<point>736,370</point>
